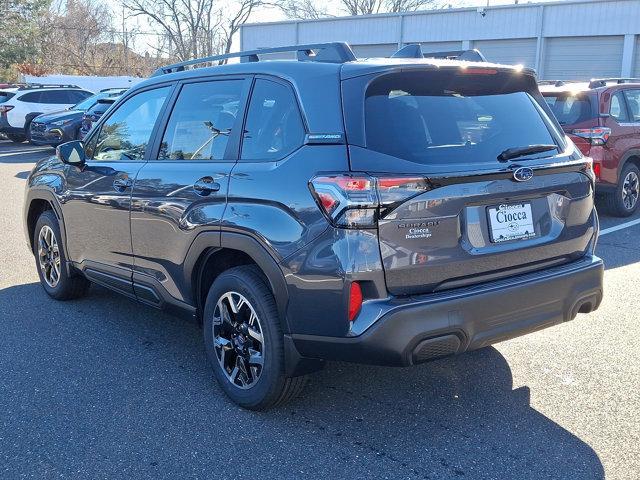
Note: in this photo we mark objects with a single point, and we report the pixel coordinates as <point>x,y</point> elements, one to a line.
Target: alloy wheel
<point>238,340</point>
<point>630,190</point>
<point>49,256</point>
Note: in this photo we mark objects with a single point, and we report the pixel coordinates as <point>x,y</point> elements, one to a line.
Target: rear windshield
<point>4,96</point>
<point>448,117</point>
<point>100,107</point>
<point>569,108</point>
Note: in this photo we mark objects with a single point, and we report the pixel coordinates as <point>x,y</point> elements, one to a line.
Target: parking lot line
<point>22,152</point>
<point>620,227</point>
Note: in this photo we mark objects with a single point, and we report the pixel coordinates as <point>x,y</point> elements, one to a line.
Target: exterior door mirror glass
<point>71,153</point>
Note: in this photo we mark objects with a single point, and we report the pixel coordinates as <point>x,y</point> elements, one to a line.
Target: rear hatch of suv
<point>473,178</point>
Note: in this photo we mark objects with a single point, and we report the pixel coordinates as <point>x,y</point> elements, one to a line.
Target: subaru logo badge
<point>523,174</point>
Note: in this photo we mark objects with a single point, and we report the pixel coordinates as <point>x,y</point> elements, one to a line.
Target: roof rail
<point>113,88</point>
<point>602,82</point>
<point>558,83</point>
<point>335,52</point>
<point>32,86</point>
<point>12,85</point>
<point>414,50</point>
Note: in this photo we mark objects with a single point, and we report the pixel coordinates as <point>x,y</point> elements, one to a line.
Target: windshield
<point>447,117</point>
<point>570,108</point>
<point>4,96</point>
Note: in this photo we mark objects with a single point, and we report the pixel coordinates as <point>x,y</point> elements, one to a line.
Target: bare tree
<point>78,38</point>
<point>312,9</point>
<point>302,9</point>
<point>194,28</point>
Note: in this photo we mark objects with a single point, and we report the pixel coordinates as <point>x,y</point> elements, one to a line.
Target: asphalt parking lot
<point>105,388</point>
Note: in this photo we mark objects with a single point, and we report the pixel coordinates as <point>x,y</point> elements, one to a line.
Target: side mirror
<point>71,153</point>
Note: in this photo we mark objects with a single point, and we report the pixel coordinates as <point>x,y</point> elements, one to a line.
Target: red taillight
<point>5,108</point>
<point>355,300</point>
<point>596,170</point>
<point>349,201</point>
<point>596,135</point>
<point>356,201</point>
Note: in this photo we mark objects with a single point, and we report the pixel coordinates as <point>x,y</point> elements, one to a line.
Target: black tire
<point>70,284</point>
<point>16,138</point>
<point>615,202</point>
<point>272,387</point>
<point>27,131</point>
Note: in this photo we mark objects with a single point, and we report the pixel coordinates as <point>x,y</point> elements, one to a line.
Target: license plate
<point>511,222</point>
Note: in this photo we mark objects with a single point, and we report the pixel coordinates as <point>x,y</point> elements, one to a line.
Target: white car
<point>21,104</point>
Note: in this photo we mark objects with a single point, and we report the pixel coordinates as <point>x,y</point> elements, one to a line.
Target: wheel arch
<point>213,252</point>
<point>38,201</point>
<point>631,156</point>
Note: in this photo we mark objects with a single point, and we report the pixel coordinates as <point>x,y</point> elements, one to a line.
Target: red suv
<point>602,117</point>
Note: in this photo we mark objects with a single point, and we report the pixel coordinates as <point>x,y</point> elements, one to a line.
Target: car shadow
<point>125,372</point>
<point>619,249</point>
<point>457,416</point>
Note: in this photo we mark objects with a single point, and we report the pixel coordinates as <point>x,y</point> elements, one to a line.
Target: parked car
<point>22,104</point>
<point>93,114</point>
<point>383,211</point>
<point>65,125</point>
<point>603,119</point>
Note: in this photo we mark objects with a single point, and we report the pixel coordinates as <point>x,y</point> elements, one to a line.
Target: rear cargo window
<point>569,108</point>
<point>449,117</point>
<point>4,96</point>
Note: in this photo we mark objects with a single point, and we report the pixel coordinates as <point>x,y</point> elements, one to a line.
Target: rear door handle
<point>120,184</point>
<point>205,186</point>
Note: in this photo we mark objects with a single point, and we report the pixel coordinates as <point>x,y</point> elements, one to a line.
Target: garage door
<point>636,62</point>
<point>511,52</point>
<point>370,51</point>
<point>582,58</point>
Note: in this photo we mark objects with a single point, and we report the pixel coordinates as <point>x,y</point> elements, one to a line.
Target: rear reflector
<point>355,300</point>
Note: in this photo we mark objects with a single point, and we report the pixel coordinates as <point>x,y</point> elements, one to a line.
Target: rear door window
<point>618,108</point>
<point>56,97</point>
<point>447,118</point>
<point>633,100</point>
<point>274,127</point>
<point>202,120</point>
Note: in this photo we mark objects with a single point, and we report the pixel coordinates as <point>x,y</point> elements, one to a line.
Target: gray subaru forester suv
<point>385,211</point>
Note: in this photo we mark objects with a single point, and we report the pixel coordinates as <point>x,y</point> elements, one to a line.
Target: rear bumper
<point>5,127</point>
<point>456,321</point>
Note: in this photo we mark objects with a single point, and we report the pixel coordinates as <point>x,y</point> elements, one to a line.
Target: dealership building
<point>561,40</point>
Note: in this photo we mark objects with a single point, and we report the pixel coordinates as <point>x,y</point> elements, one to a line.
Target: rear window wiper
<point>516,152</point>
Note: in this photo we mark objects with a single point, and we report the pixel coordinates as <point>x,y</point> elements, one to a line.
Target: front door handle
<point>205,186</point>
<point>120,184</point>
